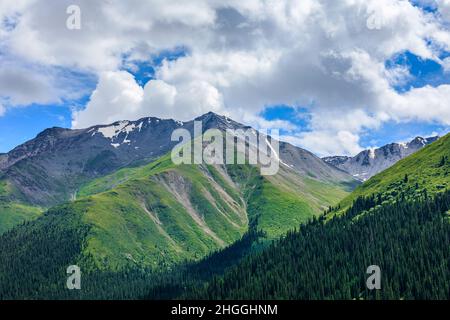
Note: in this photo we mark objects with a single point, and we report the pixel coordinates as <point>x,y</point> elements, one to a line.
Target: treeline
<point>408,240</point>
<point>324,259</point>
<point>35,256</point>
<point>327,258</point>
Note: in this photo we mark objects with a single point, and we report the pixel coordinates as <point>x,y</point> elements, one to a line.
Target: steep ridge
<point>57,165</point>
<point>427,169</point>
<point>48,169</point>
<point>370,162</point>
<point>158,214</point>
<point>399,220</point>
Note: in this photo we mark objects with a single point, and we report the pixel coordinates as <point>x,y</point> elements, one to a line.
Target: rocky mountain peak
<point>421,142</point>
<point>372,161</point>
<point>65,157</point>
<point>213,120</point>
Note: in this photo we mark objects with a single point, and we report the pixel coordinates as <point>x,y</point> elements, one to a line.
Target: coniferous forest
<point>408,240</point>
<point>326,258</point>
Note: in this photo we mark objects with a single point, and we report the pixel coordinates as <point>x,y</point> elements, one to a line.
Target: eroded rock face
<point>370,162</point>
<point>50,168</point>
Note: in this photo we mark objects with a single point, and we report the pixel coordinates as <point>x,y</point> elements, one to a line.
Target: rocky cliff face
<point>370,162</point>
<point>50,168</point>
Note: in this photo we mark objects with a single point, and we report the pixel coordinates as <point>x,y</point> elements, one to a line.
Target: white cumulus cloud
<point>2,110</point>
<point>241,56</point>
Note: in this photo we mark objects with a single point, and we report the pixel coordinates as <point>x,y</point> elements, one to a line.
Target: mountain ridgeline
<point>50,168</point>
<point>62,165</point>
<point>368,163</point>
<point>139,209</point>
<point>141,227</point>
<point>399,220</point>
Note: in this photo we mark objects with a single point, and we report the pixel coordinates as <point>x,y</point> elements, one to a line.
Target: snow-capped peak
<point>112,131</point>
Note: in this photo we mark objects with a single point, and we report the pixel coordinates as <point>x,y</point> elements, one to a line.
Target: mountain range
<point>142,209</point>
<point>369,162</point>
<point>398,221</point>
<point>110,200</point>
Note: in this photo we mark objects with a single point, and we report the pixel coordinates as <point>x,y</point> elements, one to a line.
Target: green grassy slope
<point>12,211</point>
<point>13,214</point>
<point>146,215</point>
<point>398,220</point>
<point>160,219</point>
<point>422,170</point>
<point>159,214</point>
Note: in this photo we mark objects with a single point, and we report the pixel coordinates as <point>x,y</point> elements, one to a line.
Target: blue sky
<point>423,72</point>
<point>380,75</point>
<point>21,124</point>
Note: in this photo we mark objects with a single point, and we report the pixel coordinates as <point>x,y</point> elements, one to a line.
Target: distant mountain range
<point>143,209</point>
<point>50,168</point>
<point>369,162</point>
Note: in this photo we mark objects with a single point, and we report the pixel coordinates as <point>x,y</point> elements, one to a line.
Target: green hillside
<point>328,260</point>
<point>35,255</point>
<point>407,236</point>
<point>399,220</point>
<point>12,211</point>
<point>159,214</point>
<point>426,169</point>
<point>147,217</point>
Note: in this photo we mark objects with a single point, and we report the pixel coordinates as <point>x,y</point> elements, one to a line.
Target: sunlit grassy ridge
<point>122,175</point>
<point>13,212</point>
<point>145,222</point>
<point>159,214</point>
<point>427,169</point>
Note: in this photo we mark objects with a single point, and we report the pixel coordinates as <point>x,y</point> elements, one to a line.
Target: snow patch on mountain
<point>112,131</point>
<point>372,153</point>
<point>372,161</point>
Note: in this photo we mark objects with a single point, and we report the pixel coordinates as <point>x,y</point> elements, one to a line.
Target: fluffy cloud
<point>326,143</point>
<point>109,30</point>
<point>119,97</point>
<point>20,87</point>
<point>444,8</point>
<point>242,56</point>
